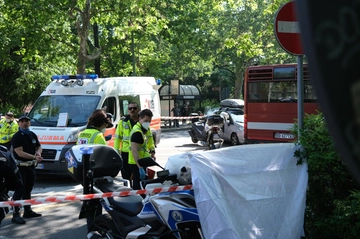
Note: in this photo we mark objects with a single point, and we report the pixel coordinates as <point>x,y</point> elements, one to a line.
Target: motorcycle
<point>207,131</point>
<point>157,216</point>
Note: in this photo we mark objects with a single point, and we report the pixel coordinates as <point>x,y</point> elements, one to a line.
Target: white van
<point>57,127</point>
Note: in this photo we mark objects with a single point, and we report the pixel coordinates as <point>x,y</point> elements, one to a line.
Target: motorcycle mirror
<point>148,162</point>
<point>332,47</point>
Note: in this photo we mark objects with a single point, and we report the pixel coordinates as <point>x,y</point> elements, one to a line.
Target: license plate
<point>216,136</point>
<point>40,166</point>
<point>284,136</point>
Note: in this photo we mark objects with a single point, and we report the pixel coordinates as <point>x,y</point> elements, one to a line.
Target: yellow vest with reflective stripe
<point>91,136</point>
<point>7,130</point>
<point>143,149</point>
<point>122,136</point>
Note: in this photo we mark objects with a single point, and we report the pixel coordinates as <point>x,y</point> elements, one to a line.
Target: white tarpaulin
<point>249,191</point>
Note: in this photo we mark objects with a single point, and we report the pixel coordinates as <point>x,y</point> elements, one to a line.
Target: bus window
<point>271,102</point>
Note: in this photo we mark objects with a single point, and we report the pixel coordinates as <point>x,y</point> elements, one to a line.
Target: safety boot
<point>29,213</point>
<point>17,219</point>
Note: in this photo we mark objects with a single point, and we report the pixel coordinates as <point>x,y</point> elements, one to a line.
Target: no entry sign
<point>287,30</point>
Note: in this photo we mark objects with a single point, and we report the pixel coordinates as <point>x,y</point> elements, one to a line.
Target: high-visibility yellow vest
<point>144,148</point>
<point>91,136</point>
<point>7,130</point>
<point>122,135</point>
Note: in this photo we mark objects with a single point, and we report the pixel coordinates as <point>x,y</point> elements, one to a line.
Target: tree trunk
<point>239,79</point>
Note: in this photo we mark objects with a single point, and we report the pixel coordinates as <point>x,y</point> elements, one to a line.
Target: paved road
<point>60,220</point>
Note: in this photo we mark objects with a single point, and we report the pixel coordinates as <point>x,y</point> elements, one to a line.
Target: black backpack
<point>10,177</point>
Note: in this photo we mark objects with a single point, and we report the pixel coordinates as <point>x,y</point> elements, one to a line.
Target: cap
<point>23,117</point>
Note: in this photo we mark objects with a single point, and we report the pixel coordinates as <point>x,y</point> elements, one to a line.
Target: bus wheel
<point>234,139</point>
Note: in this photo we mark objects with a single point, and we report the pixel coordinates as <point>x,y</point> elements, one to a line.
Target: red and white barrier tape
<point>179,117</point>
<point>92,196</point>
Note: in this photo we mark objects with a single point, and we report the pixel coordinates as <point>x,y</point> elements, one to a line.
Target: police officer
<point>142,146</point>
<point>122,137</point>
<point>27,152</point>
<point>8,127</point>
<point>94,132</point>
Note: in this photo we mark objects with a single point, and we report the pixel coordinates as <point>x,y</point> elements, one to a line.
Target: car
<point>232,110</point>
<point>233,129</point>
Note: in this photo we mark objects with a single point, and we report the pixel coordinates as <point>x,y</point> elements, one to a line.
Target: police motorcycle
<point>10,178</point>
<point>207,130</point>
<point>157,216</point>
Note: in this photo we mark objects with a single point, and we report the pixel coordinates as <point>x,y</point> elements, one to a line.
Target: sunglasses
<point>132,108</point>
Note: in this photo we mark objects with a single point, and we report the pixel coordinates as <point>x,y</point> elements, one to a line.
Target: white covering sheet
<point>248,191</point>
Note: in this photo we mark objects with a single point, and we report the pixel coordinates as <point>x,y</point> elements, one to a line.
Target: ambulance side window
<point>125,100</point>
<point>110,106</point>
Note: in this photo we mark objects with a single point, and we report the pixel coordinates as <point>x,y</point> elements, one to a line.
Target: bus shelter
<point>188,97</point>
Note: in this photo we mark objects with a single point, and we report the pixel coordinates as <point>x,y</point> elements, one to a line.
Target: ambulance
<point>61,111</point>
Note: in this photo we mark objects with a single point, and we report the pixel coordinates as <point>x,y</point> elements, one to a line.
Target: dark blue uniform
<point>30,143</point>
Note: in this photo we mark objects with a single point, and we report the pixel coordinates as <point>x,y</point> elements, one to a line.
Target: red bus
<point>270,96</point>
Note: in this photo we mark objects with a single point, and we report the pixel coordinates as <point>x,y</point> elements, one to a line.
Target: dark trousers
<point>136,176</point>
<point>125,170</point>
<point>29,176</point>
<point>176,123</point>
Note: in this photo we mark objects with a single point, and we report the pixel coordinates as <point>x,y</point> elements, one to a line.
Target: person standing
<point>27,152</point>
<point>175,112</point>
<point>8,127</point>
<point>142,146</point>
<point>183,114</point>
<point>94,132</point>
<point>122,138</point>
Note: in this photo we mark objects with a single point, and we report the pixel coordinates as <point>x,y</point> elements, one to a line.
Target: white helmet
<point>184,176</point>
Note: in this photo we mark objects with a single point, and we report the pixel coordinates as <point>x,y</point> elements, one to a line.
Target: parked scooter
<point>197,131</point>
<point>207,130</point>
<point>157,216</point>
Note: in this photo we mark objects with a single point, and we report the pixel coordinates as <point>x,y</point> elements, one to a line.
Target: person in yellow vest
<point>142,145</point>
<point>122,137</point>
<point>8,127</point>
<point>94,132</point>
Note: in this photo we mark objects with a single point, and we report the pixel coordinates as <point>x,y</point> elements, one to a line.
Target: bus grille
<point>48,154</point>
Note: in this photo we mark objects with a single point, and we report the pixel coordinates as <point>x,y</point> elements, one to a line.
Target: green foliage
<point>203,43</point>
<point>333,198</point>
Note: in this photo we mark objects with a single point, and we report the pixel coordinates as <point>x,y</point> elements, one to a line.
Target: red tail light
<point>215,129</point>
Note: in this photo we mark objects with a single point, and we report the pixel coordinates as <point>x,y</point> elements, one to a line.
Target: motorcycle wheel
<point>105,226</point>
<point>234,139</point>
<point>194,140</point>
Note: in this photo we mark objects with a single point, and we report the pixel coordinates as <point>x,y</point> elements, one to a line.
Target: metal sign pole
<point>300,93</point>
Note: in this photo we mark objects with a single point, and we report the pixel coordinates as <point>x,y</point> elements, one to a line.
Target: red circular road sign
<point>287,30</point>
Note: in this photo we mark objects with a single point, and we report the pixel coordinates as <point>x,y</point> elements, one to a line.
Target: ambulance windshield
<point>63,110</point>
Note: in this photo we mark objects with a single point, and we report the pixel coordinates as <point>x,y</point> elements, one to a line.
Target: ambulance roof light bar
<point>79,78</point>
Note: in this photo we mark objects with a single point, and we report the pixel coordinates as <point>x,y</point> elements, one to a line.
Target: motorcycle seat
<point>130,205</point>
